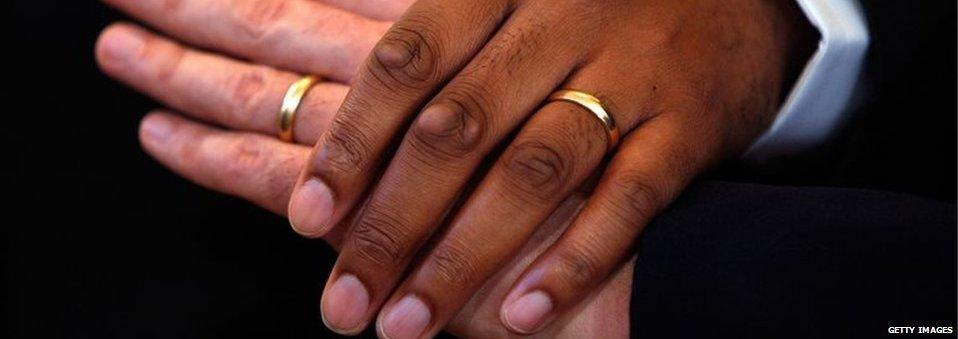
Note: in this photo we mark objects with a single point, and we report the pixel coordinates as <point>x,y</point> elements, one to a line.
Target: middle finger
<point>553,153</point>
<point>300,35</point>
<point>213,88</point>
<point>479,107</point>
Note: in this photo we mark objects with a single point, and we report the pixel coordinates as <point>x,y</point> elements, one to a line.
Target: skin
<point>226,143</point>
<point>653,63</point>
<point>690,83</point>
<point>263,170</point>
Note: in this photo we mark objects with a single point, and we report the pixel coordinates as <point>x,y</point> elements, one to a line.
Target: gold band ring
<point>592,104</point>
<point>287,113</point>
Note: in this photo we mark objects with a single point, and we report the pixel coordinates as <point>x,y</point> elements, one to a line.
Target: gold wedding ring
<point>287,113</point>
<point>594,105</point>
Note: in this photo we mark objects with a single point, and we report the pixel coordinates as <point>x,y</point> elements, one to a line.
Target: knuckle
<point>660,38</point>
<point>168,59</point>
<point>171,6</point>
<point>189,152</point>
<point>246,91</point>
<point>455,264</point>
<point>273,174</point>
<point>577,266</point>
<point>247,156</point>
<point>409,54</point>
<point>346,148</point>
<point>379,238</point>
<point>515,47</point>
<point>280,178</point>
<point>257,19</point>
<point>450,130</point>
<point>252,161</point>
<point>636,195</point>
<point>538,169</point>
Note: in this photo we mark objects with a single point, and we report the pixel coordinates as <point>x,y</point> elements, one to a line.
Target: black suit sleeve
<point>738,260</point>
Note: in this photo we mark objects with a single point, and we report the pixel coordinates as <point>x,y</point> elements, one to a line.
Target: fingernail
<point>311,208</point>
<point>408,318</point>
<point>528,313</point>
<point>157,129</point>
<point>345,305</point>
<point>122,44</point>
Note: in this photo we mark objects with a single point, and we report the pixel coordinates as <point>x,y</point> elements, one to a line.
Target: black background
<point>100,241</point>
<point>104,242</point>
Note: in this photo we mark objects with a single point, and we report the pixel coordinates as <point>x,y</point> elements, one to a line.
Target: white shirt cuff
<point>815,108</point>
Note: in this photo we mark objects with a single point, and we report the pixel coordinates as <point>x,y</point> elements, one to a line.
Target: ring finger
<point>485,101</point>
<point>553,154</point>
<point>213,88</point>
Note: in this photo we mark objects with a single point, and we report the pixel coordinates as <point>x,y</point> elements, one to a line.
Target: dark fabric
<point>901,135</point>
<point>739,260</point>
<point>99,241</point>
<point>756,261</point>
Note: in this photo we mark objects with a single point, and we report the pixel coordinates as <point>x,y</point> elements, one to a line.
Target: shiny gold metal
<point>594,105</point>
<point>287,113</point>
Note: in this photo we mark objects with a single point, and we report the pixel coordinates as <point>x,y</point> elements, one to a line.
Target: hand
<point>261,169</point>
<point>245,163</point>
<point>690,83</point>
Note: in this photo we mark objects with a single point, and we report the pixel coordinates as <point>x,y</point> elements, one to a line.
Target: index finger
<point>424,49</point>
